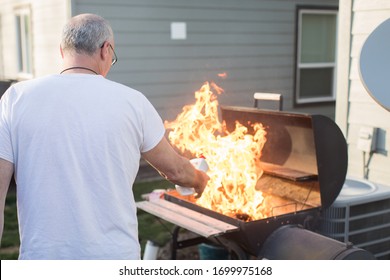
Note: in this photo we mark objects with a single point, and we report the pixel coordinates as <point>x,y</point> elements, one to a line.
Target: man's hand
<point>201,182</point>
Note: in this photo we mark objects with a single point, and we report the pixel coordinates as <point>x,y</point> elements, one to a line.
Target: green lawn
<point>10,242</point>
<point>150,228</point>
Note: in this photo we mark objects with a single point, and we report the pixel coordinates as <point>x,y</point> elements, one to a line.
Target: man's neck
<point>78,69</point>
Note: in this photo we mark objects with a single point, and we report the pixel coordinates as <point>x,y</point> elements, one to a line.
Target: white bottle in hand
<point>199,163</point>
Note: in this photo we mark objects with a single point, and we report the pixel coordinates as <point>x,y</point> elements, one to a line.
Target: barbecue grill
<point>305,164</point>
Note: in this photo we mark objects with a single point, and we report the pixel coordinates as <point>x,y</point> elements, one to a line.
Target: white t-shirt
<point>75,141</point>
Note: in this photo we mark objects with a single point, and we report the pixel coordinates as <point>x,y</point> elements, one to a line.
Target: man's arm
<point>176,168</point>
<point>6,171</point>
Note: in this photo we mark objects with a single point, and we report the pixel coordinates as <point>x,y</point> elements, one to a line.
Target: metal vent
<point>361,216</point>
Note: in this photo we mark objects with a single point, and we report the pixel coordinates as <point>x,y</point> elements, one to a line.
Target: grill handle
<point>277,97</point>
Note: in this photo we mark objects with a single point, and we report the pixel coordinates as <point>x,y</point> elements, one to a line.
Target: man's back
<point>75,141</point>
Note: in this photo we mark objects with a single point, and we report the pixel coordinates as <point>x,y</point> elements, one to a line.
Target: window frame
<point>24,48</point>
<point>302,101</point>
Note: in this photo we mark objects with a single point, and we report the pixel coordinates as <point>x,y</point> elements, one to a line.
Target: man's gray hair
<point>85,34</point>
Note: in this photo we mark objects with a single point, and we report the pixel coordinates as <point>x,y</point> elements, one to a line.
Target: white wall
<point>355,108</point>
<point>48,17</point>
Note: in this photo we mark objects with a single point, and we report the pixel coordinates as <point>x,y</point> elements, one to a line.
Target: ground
<point>189,253</point>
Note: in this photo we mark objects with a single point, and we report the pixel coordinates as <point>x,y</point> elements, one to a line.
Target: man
<point>74,141</point>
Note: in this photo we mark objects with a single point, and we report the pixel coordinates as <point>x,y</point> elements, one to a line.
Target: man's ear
<point>104,51</point>
<point>62,52</point>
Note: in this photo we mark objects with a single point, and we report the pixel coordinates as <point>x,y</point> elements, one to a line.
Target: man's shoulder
<point>34,81</point>
<point>125,89</point>
<point>121,86</point>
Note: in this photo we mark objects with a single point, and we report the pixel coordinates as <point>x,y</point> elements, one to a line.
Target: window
<point>315,55</point>
<point>23,37</point>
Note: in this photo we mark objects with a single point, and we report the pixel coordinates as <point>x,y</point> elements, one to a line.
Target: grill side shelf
<point>191,220</point>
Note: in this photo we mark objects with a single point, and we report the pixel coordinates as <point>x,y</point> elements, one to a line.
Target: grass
<point>10,242</point>
<point>150,228</point>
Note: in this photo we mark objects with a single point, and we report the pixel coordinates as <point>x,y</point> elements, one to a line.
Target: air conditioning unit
<point>360,215</point>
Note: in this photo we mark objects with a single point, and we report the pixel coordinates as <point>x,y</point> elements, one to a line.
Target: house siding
<point>252,41</point>
<point>47,17</point>
<point>361,109</point>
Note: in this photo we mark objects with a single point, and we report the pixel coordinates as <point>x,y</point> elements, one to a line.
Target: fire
<point>233,157</point>
<point>222,75</point>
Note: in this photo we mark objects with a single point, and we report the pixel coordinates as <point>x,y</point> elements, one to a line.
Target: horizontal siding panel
<point>375,176</point>
<point>366,21</point>
<point>217,64</point>
<point>231,87</point>
<point>354,69</point>
<point>157,39</point>
<point>359,94</point>
<point>198,13</point>
<point>372,5</point>
<point>227,26</point>
<point>357,44</point>
<point>51,9</point>
<point>325,110</point>
<point>202,51</point>
<point>130,25</point>
<point>378,160</point>
<point>380,177</point>
<point>207,4</point>
<point>226,4</point>
<point>369,114</point>
<point>237,74</point>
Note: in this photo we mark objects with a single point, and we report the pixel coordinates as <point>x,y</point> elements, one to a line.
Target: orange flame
<point>222,75</point>
<point>233,157</point>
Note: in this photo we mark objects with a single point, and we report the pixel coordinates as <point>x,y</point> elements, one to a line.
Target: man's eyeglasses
<point>114,58</point>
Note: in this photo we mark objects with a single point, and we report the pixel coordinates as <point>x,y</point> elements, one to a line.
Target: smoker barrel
<point>305,162</point>
<point>295,243</point>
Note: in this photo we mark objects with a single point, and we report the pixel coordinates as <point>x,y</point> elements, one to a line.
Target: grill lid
<point>299,146</point>
<point>332,158</point>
